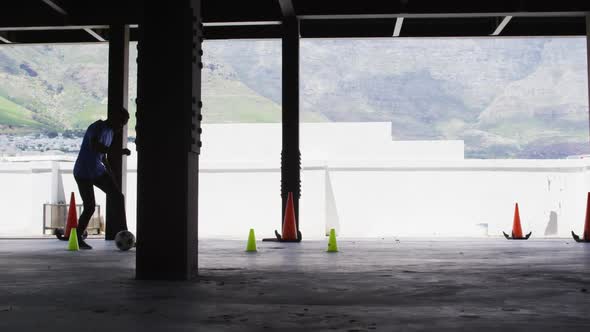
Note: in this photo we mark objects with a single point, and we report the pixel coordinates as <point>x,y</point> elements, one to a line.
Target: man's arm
<point>97,146</point>
<point>125,152</point>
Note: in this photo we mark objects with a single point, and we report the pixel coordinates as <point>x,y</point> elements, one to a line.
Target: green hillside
<point>505,98</point>
<point>227,101</point>
<point>12,114</point>
<point>57,88</point>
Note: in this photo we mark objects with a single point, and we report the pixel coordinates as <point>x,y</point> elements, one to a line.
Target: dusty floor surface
<point>370,285</point>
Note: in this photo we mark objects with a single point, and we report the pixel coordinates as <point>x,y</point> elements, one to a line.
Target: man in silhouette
<point>92,169</point>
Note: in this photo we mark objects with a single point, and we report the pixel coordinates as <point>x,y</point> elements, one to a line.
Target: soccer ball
<point>125,240</point>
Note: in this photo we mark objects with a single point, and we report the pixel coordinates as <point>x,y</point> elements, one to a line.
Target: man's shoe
<point>83,245</point>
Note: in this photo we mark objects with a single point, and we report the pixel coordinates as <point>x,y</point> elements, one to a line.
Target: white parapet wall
<point>388,189</point>
<point>342,141</point>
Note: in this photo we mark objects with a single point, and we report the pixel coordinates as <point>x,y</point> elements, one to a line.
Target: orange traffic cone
<point>72,221</point>
<point>517,228</point>
<point>586,235</point>
<point>290,232</point>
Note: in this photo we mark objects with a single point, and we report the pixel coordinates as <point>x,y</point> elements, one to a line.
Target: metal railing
<point>55,216</point>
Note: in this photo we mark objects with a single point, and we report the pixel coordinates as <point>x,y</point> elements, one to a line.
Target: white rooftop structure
<point>341,141</point>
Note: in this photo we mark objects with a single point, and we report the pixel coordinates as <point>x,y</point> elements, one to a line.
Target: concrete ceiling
<point>74,21</point>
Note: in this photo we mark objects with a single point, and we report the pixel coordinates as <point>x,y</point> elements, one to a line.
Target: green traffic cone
<point>73,240</point>
<point>332,246</point>
<point>251,247</point>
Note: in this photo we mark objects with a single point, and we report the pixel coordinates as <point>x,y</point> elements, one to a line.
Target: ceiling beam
<point>94,34</point>
<point>287,8</point>
<point>437,15</point>
<point>501,26</point>
<point>50,37</point>
<point>54,27</point>
<point>23,14</point>
<point>77,36</point>
<point>552,26</point>
<point>232,24</point>
<point>4,40</point>
<point>347,28</point>
<point>55,6</point>
<point>398,26</point>
<point>241,31</point>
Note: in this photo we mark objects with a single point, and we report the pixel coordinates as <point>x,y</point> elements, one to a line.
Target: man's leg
<point>86,189</point>
<point>107,184</point>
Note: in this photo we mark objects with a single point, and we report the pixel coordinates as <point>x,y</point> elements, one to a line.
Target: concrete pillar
<point>117,99</point>
<point>168,139</point>
<point>57,187</point>
<point>290,155</point>
<point>588,62</point>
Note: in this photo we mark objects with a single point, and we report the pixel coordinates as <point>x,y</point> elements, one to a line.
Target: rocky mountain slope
<point>524,98</point>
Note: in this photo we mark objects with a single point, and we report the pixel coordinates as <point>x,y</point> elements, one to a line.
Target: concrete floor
<point>382,285</point>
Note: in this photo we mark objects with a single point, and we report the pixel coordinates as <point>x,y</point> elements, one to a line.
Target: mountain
<point>506,97</point>
<point>54,87</point>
